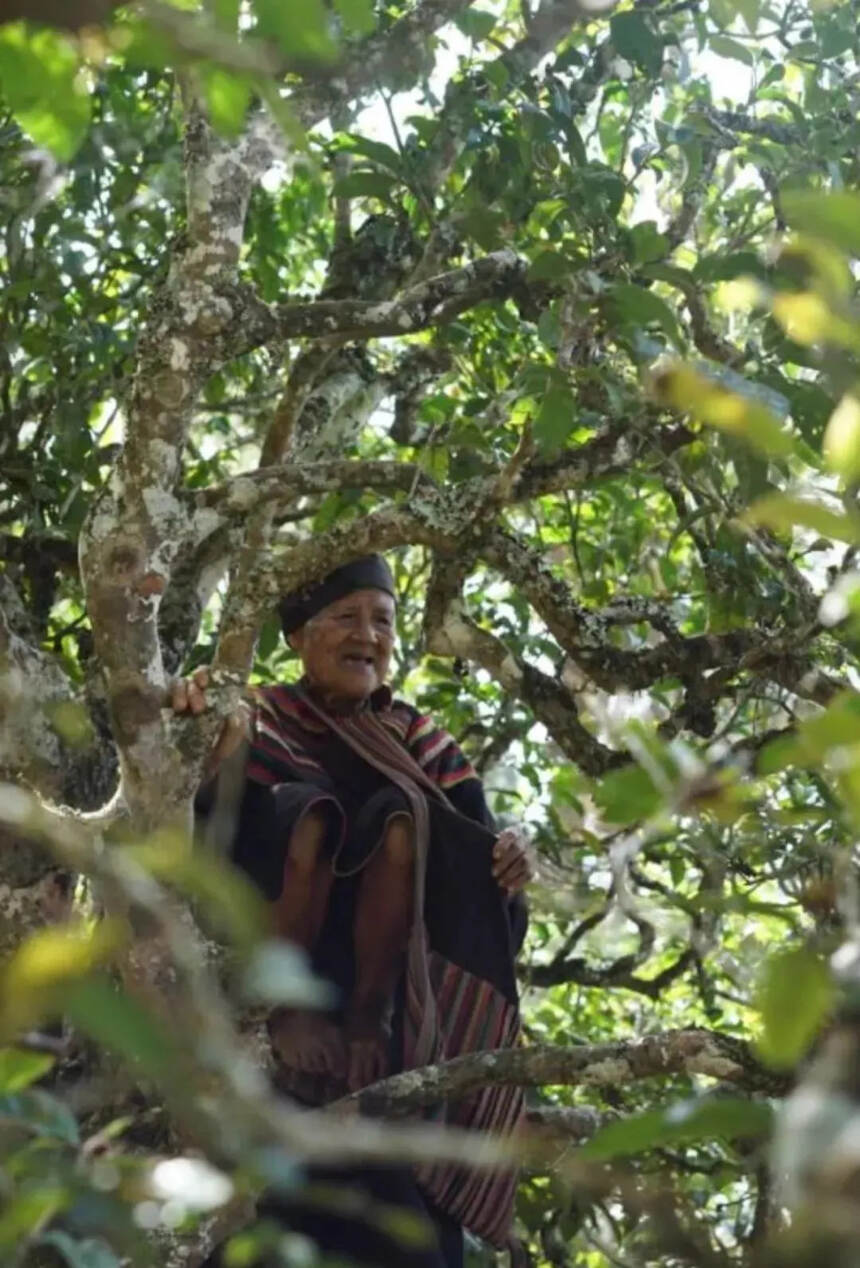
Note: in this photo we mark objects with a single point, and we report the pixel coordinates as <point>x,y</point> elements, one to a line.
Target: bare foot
<point>308,1040</point>
<point>367,1030</point>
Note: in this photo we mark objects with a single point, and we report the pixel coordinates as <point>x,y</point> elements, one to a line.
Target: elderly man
<point>367,829</point>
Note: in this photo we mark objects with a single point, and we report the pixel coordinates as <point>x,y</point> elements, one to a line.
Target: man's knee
<point>307,842</point>
<point>398,841</point>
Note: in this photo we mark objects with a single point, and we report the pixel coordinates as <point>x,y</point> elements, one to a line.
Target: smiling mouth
<point>355,659</point>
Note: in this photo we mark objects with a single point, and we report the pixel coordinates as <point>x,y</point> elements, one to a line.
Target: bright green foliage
<point>795,998</point>
<point>681,185</point>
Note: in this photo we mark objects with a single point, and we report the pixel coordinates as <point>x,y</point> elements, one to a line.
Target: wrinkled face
<point>346,648</point>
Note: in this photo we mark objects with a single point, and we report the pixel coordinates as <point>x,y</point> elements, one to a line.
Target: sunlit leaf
<point>808,319</point>
<point>712,403</point>
<point>39,70</point>
<point>29,1211</point>
<point>227,97</point>
<point>357,15</point>
<point>722,1118</point>
<point>834,216</point>
<point>19,1068</point>
<point>627,795</point>
<point>300,27</point>
<point>837,725</point>
<point>783,512</point>
<point>794,998</point>
<point>842,438</point>
<point>556,418</point>
<point>49,961</point>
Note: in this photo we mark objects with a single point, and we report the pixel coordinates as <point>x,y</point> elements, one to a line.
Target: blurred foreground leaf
<point>37,976</point>
<point>228,898</point>
<point>280,973</point>
<point>686,389</point>
<point>42,83</point>
<point>110,1017</point>
<point>795,996</point>
<point>18,1068</point>
<point>40,1113</point>
<point>783,512</point>
<point>86,1253</point>
<point>687,1121</point>
<point>833,216</point>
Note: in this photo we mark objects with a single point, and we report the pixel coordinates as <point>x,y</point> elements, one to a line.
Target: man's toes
<point>335,1056</point>
<point>366,1065</point>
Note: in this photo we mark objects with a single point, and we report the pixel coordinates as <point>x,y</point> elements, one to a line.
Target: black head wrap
<point>369,573</point>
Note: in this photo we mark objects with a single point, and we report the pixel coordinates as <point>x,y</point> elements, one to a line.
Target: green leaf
<point>556,418</point>
<point>795,996</point>
<point>365,185</point>
<point>704,1119</point>
<point>301,28</point>
<point>834,217</point>
<point>226,13</point>
<point>86,1253</point>
<point>18,1069</point>
<point>228,898</point>
<point>782,512</point>
<point>836,726</point>
<point>626,795</point>
<point>357,15</point>
<point>484,224</point>
<point>476,23</point>
<point>27,1212</point>
<point>42,967</point>
<point>142,43</point>
<point>750,12</point>
<point>640,307</point>
<point>685,388</point>
<point>778,754</point>
<point>377,151</point>
<point>284,115</point>
<point>635,40</point>
<point>548,264</point>
<point>113,1019</point>
<point>41,1114</point>
<point>648,243</point>
<point>39,70</point>
<point>227,98</point>
<point>726,47</point>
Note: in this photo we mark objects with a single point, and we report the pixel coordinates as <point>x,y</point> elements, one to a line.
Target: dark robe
<point>459,992</point>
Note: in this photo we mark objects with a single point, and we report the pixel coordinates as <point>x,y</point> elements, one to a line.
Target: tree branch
<point>689,1052</point>
<point>430,303</point>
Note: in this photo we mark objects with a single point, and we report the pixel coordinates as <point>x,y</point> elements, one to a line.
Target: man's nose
<point>364,628</point>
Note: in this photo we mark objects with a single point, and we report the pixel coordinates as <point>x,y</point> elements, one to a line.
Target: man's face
<point>346,648</point>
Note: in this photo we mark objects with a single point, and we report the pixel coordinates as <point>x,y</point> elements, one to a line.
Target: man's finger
<point>201,677</point>
<point>196,699</point>
<point>179,696</point>
<point>510,873</point>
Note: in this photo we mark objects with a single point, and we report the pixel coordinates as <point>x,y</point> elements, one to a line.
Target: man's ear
<point>296,639</point>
